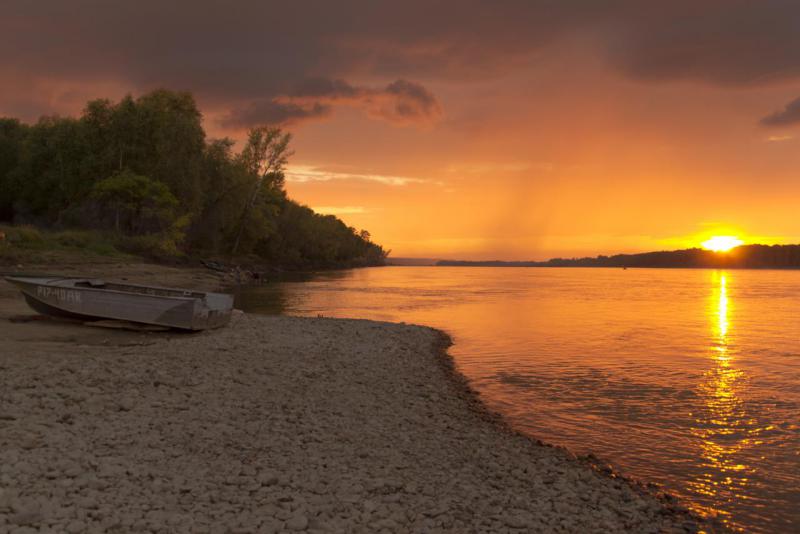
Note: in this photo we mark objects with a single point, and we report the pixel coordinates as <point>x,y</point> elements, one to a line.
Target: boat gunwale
<point>116,291</point>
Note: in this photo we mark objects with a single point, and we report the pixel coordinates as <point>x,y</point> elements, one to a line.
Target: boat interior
<point>140,290</point>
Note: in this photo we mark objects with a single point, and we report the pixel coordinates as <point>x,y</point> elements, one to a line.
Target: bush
<point>154,246</point>
<point>102,248</point>
<point>74,238</point>
<point>25,237</point>
<point>90,241</point>
<point>8,254</point>
<point>138,204</point>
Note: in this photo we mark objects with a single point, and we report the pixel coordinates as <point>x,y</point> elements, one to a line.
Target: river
<point>685,377</point>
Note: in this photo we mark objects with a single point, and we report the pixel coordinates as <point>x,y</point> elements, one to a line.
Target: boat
<point>91,299</point>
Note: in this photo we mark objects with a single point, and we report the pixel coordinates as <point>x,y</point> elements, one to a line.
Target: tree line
<point>143,169</point>
<point>742,257</point>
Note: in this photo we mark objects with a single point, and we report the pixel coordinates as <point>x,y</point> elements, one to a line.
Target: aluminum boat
<point>94,299</point>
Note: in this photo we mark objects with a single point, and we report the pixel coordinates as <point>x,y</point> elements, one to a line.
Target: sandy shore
<point>276,424</point>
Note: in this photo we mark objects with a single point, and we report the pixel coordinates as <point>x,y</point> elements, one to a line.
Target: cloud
<point>508,166</point>
<point>325,88</point>
<point>272,61</point>
<point>401,102</point>
<point>407,102</point>
<point>340,210</point>
<point>273,111</point>
<point>788,116</point>
<point>306,173</point>
<point>722,42</point>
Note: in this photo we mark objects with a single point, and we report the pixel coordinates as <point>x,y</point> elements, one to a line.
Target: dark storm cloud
<point>400,102</point>
<point>279,59</point>
<point>324,87</point>
<point>724,42</point>
<point>413,100</point>
<point>789,115</point>
<point>273,112</point>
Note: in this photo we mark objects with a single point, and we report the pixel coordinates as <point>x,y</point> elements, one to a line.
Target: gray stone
<point>298,522</point>
<point>75,527</point>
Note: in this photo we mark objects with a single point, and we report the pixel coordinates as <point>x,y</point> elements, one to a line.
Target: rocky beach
<point>276,424</point>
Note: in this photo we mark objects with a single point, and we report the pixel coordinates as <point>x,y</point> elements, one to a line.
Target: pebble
<point>268,478</point>
<point>514,521</point>
<point>75,527</point>
<point>298,522</point>
<point>281,423</point>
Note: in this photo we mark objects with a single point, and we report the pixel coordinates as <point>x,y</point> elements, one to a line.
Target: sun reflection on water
<point>723,426</point>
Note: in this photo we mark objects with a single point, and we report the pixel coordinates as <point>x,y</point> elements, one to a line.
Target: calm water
<point>688,378</point>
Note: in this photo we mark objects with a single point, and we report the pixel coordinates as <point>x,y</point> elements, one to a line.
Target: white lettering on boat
<point>59,293</point>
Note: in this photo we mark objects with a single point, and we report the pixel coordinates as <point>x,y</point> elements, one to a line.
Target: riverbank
<point>24,246</point>
<point>276,423</point>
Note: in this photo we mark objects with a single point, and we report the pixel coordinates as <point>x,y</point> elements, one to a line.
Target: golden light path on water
<point>724,428</point>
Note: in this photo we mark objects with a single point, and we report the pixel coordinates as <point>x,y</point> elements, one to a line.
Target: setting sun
<point>722,243</point>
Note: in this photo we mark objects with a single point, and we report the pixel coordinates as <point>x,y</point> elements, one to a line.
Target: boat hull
<point>92,299</point>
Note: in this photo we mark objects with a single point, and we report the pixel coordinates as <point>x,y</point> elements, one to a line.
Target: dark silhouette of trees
<point>742,257</point>
<point>12,133</point>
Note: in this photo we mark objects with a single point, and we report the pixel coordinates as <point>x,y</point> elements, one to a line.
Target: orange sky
<point>525,131</point>
<point>531,167</point>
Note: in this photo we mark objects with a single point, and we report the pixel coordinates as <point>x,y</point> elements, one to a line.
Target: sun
<point>722,243</point>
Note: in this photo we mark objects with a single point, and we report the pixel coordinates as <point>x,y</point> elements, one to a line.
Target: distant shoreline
<point>676,267</point>
<point>742,257</point>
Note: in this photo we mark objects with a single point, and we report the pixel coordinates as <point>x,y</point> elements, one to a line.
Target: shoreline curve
<point>282,424</point>
<point>473,398</point>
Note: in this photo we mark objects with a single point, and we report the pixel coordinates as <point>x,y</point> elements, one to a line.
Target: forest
<point>742,257</point>
<point>142,171</point>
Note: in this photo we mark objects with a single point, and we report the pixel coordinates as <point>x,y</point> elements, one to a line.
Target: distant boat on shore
<point>94,299</point>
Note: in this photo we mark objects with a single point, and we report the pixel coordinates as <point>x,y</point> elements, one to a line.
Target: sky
<point>467,129</point>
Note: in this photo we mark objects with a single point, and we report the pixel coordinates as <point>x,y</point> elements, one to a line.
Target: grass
<point>20,245</point>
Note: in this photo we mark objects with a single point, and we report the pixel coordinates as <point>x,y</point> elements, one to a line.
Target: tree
<point>50,177</point>
<point>143,167</point>
<point>12,134</point>
<point>168,143</point>
<point>159,135</point>
<point>225,188</point>
<point>138,203</point>
<point>264,157</point>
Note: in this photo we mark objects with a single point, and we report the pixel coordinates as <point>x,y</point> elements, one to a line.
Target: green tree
<point>170,141</point>
<point>159,135</point>
<point>264,158</point>
<point>139,204</point>
<point>50,177</point>
<point>144,167</point>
